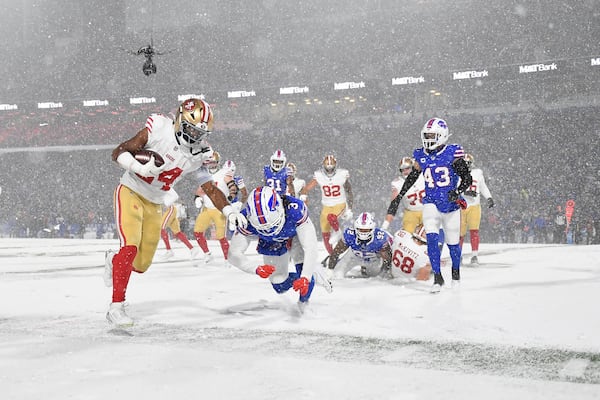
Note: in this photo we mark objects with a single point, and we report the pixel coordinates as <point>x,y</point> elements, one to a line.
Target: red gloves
<point>264,271</point>
<point>301,285</point>
<point>462,203</point>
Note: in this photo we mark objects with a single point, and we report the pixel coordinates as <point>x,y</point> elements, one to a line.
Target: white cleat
<point>108,268</point>
<point>455,284</point>
<point>117,316</point>
<point>335,238</point>
<point>436,288</point>
<point>194,253</point>
<point>168,254</point>
<point>208,257</point>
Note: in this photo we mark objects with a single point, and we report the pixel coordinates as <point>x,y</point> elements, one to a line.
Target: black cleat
<point>455,274</point>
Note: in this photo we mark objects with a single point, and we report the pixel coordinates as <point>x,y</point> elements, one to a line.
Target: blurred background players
<point>446,176</point>
<point>144,188</point>
<point>298,183</point>
<point>209,214</point>
<point>409,255</point>
<point>369,248</point>
<point>470,217</point>
<point>412,201</point>
<point>336,198</point>
<point>171,217</point>
<point>276,221</point>
<point>277,175</point>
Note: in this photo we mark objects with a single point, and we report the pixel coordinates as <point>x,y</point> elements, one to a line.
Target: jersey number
<point>443,177</point>
<point>166,177</point>
<point>275,184</point>
<point>414,198</point>
<point>405,263</point>
<point>332,191</point>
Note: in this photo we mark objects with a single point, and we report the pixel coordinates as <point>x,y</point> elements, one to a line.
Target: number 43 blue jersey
<point>440,176</point>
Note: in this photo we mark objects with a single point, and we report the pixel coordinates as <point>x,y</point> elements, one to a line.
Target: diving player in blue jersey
<point>370,247</point>
<point>284,231</point>
<point>446,176</point>
<point>278,176</point>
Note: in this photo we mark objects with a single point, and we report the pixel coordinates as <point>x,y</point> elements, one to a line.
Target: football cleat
<point>474,261</point>
<point>108,267</point>
<point>117,316</point>
<point>168,254</point>
<point>194,252</point>
<point>438,282</point>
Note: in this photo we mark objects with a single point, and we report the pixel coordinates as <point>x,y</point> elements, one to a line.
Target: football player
<point>238,193</point>
<point>284,232</point>
<point>145,188</point>
<point>209,213</point>
<point>171,217</point>
<point>470,217</point>
<point>412,201</point>
<point>369,248</point>
<point>409,255</point>
<point>277,175</point>
<point>336,199</point>
<point>446,177</point>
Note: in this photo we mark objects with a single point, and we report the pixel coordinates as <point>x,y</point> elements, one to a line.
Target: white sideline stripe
<point>574,368</point>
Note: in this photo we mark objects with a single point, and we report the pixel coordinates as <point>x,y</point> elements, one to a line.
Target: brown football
<point>143,156</point>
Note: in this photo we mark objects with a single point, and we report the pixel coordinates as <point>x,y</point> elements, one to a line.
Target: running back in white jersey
<point>413,199</point>
<point>220,179</point>
<point>161,139</point>
<point>332,187</point>
<point>479,186</point>
<point>408,257</point>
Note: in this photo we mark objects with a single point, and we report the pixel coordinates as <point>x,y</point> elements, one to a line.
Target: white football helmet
<point>278,160</point>
<point>329,164</point>
<point>405,166</point>
<point>193,123</point>
<point>229,166</point>
<point>434,134</point>
<point>364,226</point>
<point>265,211</point>
<point>420,233</point>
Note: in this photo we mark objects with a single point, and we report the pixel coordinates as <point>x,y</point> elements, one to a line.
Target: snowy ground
<point>523,325</point>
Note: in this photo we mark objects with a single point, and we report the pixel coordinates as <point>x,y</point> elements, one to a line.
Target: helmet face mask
<point>434,134</point>
<point>364,227</point>
<point>329,165</point>
<point>193,123</point>
<point>278,160</point>
<point>265,211</point>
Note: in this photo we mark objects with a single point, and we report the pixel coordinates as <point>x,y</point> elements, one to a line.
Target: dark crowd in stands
<point>534,161</point>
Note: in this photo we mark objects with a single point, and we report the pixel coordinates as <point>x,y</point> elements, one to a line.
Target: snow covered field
<point>523,325</point>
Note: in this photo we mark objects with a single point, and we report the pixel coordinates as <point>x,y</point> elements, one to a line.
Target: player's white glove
<point>348,214</point>
<point>303,197</point>
<point>199,202</point>
<point>170,198</point>
<point>237,206</point>
<point>127,161</point>
<point>385,225</point>
<point>234,218</point>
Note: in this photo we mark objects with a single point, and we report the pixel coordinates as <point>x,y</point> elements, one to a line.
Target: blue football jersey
<point>296,214</point>
<point>276,180</point>
<point>367,251</point>
<point>440,176</point>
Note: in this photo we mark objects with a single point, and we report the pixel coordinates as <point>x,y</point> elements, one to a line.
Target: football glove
<point>471,193</point>
<point>170,198</point>
<point>453,195</point>
<point>199,202</point>
<point>234,218</point>
<point>348,214</point>
<point>385,225</point>
<point>264,271</point>
<point>490,202</point>
<point>128,161</point>
<point>301,286</point>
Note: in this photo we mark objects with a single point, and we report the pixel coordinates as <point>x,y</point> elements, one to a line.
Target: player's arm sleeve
<point>307,235</point>
<point>462,169</point>
<point>410,180</point>
<point>386,256</point>
<point>483,188</point>
<point>338,250</point>
<point>237,253</point>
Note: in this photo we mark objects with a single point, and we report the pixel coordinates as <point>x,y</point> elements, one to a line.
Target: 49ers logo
<point>189,105</point>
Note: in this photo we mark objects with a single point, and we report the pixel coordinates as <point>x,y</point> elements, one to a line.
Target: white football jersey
<point>219,180</point>
<point>332,187</point>
<point>413,199</point>
<point>408,257</point>
<point>478,186</point>
<point>161,139</point>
